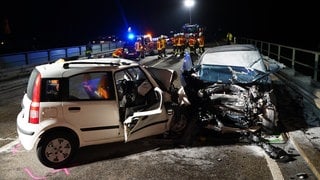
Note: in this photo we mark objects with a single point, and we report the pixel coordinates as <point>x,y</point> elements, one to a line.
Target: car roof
<point>68,68</point>
<point>242,55</point>
<point>233,47</point>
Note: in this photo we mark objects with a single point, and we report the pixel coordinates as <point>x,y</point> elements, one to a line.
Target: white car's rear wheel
<point>55,150</point>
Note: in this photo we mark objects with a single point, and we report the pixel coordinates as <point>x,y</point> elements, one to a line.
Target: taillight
<point>35,104</point>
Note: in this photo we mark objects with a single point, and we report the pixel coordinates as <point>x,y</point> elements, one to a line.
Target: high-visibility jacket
<point>163,43</point>
<point>117,53</point>
<point>89,48</point>
<point>159,45</point>
<point>229,37</point>
<point>192,41</point>
<point>138,46</point>
<point>175,41</point>
<point>181,41</point>
<point>201,41</point>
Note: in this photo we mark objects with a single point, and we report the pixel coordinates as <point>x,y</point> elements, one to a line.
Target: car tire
<point>56,150</point>
<point>190,133</point>
<point>270,120</point>
<point>183,127</point>
<point>270,116</point>
<point>179,124</point>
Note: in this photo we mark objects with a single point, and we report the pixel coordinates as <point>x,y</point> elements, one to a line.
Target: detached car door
<point>141,104</point>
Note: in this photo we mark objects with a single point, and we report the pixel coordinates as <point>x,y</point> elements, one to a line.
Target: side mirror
<point>273,67</point>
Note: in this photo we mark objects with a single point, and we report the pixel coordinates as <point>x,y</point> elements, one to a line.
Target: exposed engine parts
<point>230,105</point>
<point>248,111</point>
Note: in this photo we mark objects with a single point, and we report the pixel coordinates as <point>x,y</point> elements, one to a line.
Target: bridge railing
<point>20,64</point>
<point>301,61</point>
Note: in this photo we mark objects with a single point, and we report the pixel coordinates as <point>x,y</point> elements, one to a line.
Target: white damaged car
<point>71,104</point>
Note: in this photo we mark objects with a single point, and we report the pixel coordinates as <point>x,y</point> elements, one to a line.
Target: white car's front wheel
<point>179,122</point>
<point>56,149</point>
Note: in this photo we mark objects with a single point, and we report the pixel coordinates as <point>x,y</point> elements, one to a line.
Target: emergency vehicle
<point>149,45</point>
<point>194,29</point>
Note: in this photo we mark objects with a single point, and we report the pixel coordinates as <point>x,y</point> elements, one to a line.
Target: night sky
<point>72,22</point>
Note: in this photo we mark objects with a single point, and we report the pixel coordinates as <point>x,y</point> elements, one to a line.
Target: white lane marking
<point>8,147</point>
<point>158,62</point>
<point>274,168</point>
<point>7,139</point>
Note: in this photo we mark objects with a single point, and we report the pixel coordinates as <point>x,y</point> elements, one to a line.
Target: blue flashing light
<point>130,36</point>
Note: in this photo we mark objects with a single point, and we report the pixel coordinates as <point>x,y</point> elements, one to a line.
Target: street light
<point>189,4</point>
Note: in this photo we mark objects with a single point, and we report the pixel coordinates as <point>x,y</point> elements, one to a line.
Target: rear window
<point>51,90</point>
<point>31,82</point>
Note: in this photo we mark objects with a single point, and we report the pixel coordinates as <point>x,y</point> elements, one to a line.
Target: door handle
<point>74,108</point>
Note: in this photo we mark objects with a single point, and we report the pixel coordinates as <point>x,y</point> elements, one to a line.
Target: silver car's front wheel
<point>56,149</point>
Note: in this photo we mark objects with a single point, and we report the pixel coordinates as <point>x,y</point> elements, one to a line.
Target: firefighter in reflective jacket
<point>229,37</point>
<point>180,44</point>
<point>117,53</point>
<point>164,45</point>
<point>89,50</point>
<point>160,48</point>
<point>174,43</point>
<point>201,43</point>
<point>139,48</point>
<point>192,43</point>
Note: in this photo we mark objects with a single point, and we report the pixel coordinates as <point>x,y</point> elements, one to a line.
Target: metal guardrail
<point>301,61</point>
<point>20,64</point>
<point>302,69</point>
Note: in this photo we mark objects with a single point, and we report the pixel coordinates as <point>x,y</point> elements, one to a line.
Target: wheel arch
<point>53,134</point>
<point>65,130</point>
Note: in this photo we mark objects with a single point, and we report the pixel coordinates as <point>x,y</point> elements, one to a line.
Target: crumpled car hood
<point>248,59</point>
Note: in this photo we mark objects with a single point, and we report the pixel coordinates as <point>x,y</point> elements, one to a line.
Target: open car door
<point>164,77</point>
<point>148,122</point>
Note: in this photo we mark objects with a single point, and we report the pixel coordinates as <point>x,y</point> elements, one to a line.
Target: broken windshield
<point>229,74</point>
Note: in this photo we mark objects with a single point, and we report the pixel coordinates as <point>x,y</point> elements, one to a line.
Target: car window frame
<point>68,82</point>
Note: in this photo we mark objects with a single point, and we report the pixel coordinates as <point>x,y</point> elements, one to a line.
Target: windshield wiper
<point>254,62</point>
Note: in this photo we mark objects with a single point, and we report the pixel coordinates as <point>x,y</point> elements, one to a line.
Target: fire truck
<point>148,44</point>
<point>194,29</point>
